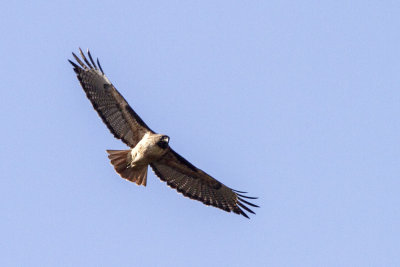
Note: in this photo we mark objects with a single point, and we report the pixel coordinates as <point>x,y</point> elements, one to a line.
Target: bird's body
<point>132,164</point>
<point>149,148</point>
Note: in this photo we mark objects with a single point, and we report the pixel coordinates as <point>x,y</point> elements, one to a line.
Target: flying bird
<point>148,147</point>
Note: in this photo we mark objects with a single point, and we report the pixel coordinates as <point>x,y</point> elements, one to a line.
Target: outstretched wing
<point>120,118</point>
<point>196,184</point>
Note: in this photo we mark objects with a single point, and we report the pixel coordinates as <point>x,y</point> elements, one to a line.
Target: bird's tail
<point>120,159</point>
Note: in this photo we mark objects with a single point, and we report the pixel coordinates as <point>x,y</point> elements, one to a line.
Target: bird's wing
<point>120,118</point>
<point>196,184</point>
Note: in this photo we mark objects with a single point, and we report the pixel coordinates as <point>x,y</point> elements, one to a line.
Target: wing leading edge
<point>123,122</point>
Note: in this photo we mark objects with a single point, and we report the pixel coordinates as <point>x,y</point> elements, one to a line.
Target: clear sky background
<point>296,102</point>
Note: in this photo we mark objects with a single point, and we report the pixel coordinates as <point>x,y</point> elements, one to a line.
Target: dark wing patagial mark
<point>120,118</point>
<point>184,161</point>
<point>192,182</point>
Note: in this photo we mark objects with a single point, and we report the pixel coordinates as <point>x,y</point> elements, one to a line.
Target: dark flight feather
<point>198,185</point>
<point>113,109</point>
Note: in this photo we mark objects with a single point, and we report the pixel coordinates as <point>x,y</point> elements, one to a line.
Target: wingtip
<point>76,68</point>
<point>85,59</point>
<point>246,196</point>
<point>244,207</point>
<point>237,191</point>
<point>98,63</point>
<point>248,203</point>
<point>243,204</point>
<point>91,59</point>
<point>245,215</point>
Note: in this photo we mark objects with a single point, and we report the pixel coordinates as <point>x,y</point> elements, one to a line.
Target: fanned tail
<point>120,159</point>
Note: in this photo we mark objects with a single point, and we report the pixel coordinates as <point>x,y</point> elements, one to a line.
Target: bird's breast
<point>146,151</point>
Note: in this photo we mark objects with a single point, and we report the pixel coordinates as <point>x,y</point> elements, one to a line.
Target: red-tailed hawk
<point>149,148</point>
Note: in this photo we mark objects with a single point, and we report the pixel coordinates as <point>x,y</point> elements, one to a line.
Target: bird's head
<point>163,141</point>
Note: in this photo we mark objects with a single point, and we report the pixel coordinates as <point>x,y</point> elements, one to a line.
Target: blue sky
<point>295,102</point>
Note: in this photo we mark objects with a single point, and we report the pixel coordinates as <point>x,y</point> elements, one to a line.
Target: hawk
<point>148,147</point>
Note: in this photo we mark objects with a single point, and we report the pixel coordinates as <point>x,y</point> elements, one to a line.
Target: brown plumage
<point>149,148</point>
<point>119,159</point>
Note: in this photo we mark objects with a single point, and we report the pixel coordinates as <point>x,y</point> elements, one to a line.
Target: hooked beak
<point>166,138</point>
